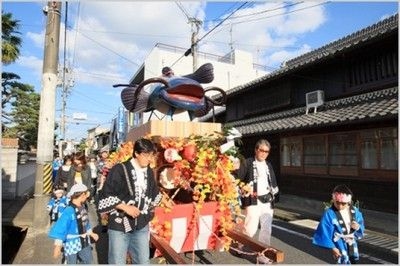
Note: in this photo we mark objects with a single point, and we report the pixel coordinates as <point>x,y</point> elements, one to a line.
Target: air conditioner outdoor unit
<point>314,99</point>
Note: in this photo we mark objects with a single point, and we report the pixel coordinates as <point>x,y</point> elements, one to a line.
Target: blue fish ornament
<point>174,95</point>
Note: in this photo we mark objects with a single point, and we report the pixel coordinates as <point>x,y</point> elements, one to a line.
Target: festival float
<point>193,167</point>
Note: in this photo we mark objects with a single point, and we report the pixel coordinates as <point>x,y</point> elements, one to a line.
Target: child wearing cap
<point>57,203</point>
<point>72,231</point>
<point>340,227</point>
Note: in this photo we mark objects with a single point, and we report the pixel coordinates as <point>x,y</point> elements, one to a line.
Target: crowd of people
<point>79,168</point>
<point>77,179</point>
<point>126,195</point>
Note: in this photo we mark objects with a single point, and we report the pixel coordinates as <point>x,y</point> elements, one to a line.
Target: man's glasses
<point>263,151</point>
<point>341,203</point>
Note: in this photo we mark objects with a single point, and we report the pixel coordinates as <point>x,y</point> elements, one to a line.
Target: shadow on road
<point>11,240</point>
<point>11,236</point>
<point>11,207</point>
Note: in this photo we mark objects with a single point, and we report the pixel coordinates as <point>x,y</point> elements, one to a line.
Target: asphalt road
<point>296,243</point>
<point>293,240</point>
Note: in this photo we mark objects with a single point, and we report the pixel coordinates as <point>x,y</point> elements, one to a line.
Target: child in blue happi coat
<point>340,227</point>
<point>57,203</point>
<point>72,231</point>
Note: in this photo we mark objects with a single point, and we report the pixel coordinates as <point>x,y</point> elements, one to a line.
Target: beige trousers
<point>261,213</point>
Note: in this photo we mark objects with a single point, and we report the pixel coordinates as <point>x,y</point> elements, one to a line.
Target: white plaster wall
<point>8,171</point>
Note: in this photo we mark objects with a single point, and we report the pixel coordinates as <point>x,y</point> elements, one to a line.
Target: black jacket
<point>116,191</point>
<point>246,175</point>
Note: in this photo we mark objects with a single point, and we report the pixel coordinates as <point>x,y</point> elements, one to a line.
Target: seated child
<point>57,203</point>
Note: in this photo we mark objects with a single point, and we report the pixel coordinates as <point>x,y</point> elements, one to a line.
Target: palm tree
<point>10,41</point>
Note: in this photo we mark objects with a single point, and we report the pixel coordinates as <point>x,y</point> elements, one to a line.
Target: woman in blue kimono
<point>340,227</point>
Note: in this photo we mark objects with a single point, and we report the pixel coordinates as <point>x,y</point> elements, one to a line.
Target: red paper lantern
<point>189,152</point>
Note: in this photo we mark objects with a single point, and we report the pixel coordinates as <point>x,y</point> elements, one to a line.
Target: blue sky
<point>108,40</point>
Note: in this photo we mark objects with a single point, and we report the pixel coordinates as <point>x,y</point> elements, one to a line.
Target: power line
<point>105,47</point>
<point>84,123</point>
<point>268,10</point>
<point>88,110</point>
<point>281,14</point>
<point>216,26</point>
<point>133,34</point>
<point>76,33</point>
<point>266,46</point>
<point>187,15</point>
<point>189,51</point>
<point>265,11</point>
<point>223,13</point>
<point>100,75</point>
<point>182,9</point>
<point>90,98</point>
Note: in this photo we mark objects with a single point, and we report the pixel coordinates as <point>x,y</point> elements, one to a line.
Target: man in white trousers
<point>259,192</point>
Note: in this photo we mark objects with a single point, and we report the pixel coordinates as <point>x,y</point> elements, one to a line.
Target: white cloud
<point>269,30</point>
<point>310,16</point>
<point>113,38</point>
<point>108,42</point>
<point>283,55</point>
<point>37,38</point>
<point>32,63</point>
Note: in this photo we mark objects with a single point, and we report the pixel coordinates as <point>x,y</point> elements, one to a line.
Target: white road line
<point>308,237</point>
<point>306,223</point>
<point>292,232</point>
<point>374,259</point>
<point>381,242</point>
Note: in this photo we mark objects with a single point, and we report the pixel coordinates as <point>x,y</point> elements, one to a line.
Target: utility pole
<point>195,27</point>
<point>64,104</point>
<point>64,87</point>
<point>195,31</point>
<point>45,143</point>
<point>62,120</point>
<point>66,83</point>
<point>231,40</point>
<point>231,44</point>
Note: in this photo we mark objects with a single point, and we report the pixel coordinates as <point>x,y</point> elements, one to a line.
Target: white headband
<point>341,197</point>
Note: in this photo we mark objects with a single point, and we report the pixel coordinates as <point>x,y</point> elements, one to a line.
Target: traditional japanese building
<point>331,116</point>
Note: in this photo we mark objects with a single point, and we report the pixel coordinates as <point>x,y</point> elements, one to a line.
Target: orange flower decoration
<point>203,171</point>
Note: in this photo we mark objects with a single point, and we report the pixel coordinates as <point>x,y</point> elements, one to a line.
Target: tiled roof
<point>372,32</point>
<point>218,110</point>
<point>365,107</point>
